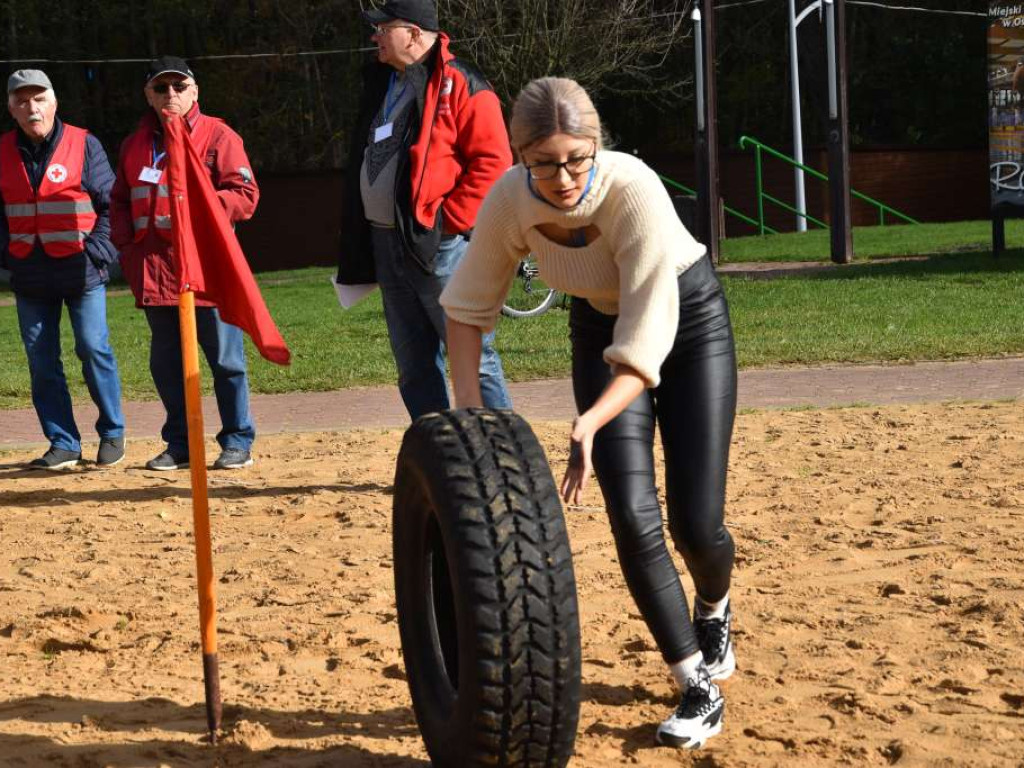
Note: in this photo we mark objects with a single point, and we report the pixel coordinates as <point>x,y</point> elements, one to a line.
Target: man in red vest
<point>55,240</point>
<point>141,228</point>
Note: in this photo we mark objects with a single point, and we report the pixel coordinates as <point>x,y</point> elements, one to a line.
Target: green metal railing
<point>762,196</point>
<point>731,211</point>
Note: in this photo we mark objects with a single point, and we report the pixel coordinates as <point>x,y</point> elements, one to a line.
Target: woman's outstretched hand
<point>581,443</point>
<point>626,385</point>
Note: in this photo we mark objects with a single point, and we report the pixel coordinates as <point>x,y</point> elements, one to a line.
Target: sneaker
<point>56,458</point>
<point>233,458</point>
<point>167,461</point>
<point>715,641</point>
<point>111,451</point>
<point>698,716</point>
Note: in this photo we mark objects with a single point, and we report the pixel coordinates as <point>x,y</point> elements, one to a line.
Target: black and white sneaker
<point>55,459</point>
<point>715,641</point>
<point>697,718</point>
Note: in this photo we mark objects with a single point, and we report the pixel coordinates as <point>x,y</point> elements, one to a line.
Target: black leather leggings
<point>695,405</point>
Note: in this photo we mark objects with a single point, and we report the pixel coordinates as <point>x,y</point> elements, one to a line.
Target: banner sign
<point>1006,102</point>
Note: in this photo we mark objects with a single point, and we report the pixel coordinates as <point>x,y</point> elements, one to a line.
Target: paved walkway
<point>767,270</point>
<point>551,399</point>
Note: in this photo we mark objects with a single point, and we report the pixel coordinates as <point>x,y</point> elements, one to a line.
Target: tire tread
<point>514,549</point>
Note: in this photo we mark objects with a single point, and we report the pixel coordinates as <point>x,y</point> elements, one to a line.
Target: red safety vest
<point>60,212</point>
<point>150,204</point>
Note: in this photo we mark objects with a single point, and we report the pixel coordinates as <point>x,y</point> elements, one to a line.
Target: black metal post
<point>998,234</point>
<point>838,133</point>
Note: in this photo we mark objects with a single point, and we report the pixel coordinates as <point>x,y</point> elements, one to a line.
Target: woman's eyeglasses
<point>574,166</point>
<point>162,88</point>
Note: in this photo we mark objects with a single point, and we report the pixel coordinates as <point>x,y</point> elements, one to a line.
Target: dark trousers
<point>694,405</point>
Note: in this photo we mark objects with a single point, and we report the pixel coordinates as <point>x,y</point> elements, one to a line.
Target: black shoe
<point>715,641</point>
<point>56,458</point>
<point>698,716</point>
<point>167,461</point>
<point>111,451</point>
<point>233,458</point>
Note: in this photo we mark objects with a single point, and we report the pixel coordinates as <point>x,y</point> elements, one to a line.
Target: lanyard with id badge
<point>151,173</point>
<point>385,130</point>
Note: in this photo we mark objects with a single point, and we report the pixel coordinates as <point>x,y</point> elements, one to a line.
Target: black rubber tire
<point>486,593</point>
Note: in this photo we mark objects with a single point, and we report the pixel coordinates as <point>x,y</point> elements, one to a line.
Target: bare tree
<point>606,45</point>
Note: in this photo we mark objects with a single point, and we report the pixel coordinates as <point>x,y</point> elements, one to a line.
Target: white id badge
<point>150,175</point>
<point>383,132</point>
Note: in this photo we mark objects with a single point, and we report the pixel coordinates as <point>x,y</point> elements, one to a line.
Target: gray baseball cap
<point>28,77</point>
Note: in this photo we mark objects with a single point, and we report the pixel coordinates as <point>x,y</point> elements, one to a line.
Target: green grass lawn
<point>950,306</point>
<point>963,305</point>
<point>873,242</point>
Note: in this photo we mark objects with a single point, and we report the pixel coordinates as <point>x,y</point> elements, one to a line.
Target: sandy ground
<point>878,598</point>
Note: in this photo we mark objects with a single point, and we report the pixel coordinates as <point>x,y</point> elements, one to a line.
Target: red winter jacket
<point>462,148</point>
<point>147,264</point>
<point>458,149</point>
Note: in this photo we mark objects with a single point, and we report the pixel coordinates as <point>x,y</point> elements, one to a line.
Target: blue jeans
<point>225,352</point>
<point>416,325</point>
<point>39,320</point>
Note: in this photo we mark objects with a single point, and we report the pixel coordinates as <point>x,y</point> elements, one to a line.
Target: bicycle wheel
<point>530,296</point>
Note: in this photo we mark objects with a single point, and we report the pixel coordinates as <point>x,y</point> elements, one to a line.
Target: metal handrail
<point>759,147</point>
<point>731,211</point>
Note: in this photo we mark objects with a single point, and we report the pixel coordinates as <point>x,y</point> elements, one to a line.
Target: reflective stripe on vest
<point>61,237</point>
<point>25,209</point>
<point>145,202</point>
<point>75,206</point>
<point>142,193</point>
<point>60,213</point>
<point>147,208</point>
<point>141,224</point>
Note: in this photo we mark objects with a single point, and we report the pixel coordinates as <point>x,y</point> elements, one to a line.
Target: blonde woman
<point>651,342</point>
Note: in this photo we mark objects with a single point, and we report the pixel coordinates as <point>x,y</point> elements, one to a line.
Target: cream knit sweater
<point>630,270</point>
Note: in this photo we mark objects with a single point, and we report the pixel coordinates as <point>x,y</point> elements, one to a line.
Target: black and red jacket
<point>455,149</point>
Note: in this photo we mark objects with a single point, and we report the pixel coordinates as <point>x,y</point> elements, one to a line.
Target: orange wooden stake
<point>200,510</point>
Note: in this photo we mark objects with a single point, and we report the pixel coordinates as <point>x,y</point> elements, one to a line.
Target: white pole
<point>798,138</point>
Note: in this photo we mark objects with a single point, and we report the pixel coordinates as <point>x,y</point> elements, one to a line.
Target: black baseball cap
<point>422,13</point>
<point>165,64</point>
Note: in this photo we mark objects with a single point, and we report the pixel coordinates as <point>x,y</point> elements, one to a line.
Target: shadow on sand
<point>127,734</point>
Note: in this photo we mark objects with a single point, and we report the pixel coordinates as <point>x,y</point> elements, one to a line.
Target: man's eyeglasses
<point>574,166</point>
<point>380,29</point>
<point>162,88</point>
